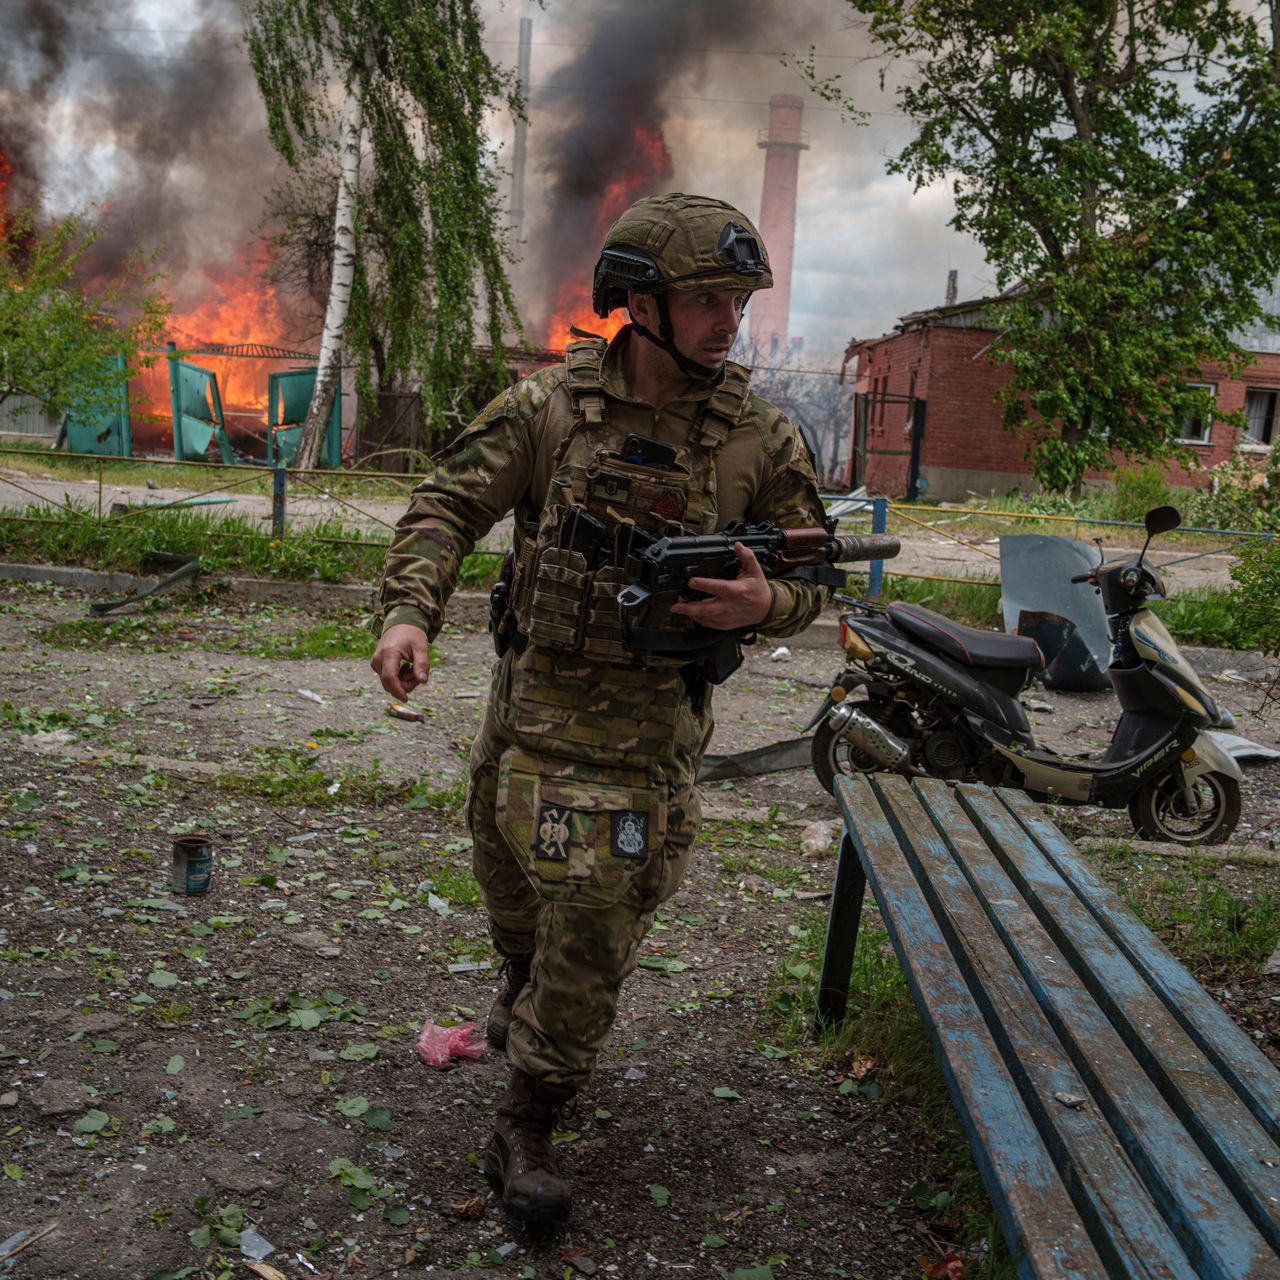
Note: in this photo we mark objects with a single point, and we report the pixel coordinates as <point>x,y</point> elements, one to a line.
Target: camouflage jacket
<point>502,464</point>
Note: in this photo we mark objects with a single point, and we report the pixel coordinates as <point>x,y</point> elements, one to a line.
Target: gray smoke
<point>164,127</point>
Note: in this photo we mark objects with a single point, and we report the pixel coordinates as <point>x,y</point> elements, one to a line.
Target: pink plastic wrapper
<point>438,1045</point>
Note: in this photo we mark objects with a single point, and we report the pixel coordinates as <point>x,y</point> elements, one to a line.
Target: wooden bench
<point>1122,1123</point>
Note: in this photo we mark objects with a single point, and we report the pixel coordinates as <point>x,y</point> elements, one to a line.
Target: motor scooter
<point>940,699</point>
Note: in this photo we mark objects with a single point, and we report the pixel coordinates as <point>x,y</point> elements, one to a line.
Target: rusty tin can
<point>192,863</point>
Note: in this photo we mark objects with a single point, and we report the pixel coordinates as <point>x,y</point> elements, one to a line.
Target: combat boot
<point>515,974</point>
<point>519,1162</point>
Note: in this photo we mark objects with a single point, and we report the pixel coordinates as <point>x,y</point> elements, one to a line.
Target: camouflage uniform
<point>582,805</point>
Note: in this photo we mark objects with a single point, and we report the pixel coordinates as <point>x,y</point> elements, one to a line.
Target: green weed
<point>1205,924</point>
<point>292,775</point>
<point>883,1035</point>
<point>1209,616</point>
<point>329,551</point>
<point>426,794</point>
<point>456,885</point>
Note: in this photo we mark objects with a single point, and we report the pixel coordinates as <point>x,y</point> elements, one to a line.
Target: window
<point>1259,415</point>
<point>1195,426</point>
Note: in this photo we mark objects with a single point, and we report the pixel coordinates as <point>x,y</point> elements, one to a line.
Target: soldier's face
<point>705,322</point>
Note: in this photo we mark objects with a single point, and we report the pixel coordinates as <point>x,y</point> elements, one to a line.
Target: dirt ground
<point>177,1069</point>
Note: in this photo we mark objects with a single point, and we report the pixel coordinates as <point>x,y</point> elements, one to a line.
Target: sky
<point>868,247</point>
<point>149,106</point>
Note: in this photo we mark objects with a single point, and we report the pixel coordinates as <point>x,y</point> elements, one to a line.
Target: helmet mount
<point>677,242</point>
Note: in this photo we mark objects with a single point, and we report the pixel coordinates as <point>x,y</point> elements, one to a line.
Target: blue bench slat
<point>1232,1053</point>
<point>1066,961</point>
<point>1011,1155</point>
<point>1241,1151</point>
<point>1108,1193</point>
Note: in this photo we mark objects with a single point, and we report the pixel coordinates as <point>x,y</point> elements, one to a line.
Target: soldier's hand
<point>735,603</point>
<point>402,660</point>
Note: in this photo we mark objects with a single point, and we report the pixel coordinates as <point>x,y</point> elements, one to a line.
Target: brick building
<point>925,415</point>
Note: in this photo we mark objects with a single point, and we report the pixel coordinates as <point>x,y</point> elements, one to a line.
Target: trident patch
<point>551,838</point>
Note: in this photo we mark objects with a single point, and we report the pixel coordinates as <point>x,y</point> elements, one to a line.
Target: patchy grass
<point>294,776</point>
<point>1206,920</point>
<point>328,551</point>
<point>882,1050</point>
<point>1198,615</point>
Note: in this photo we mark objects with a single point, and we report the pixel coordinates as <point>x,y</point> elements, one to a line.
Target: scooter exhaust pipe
<point>873,739</point>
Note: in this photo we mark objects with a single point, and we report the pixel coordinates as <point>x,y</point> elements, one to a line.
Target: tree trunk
<point>329,371</point>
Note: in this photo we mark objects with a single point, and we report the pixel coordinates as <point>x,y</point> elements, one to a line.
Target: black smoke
<point>635,63</point>
<point>152,114</point>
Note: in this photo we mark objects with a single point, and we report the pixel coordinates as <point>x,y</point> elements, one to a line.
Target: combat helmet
<point>677,241</point>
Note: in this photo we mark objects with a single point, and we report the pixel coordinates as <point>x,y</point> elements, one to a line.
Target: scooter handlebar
<point>1082,577</point>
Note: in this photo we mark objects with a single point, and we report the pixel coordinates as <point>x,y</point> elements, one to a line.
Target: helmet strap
<point>666,339</point>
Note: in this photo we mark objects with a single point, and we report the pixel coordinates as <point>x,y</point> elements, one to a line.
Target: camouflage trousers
<point>584,937</point>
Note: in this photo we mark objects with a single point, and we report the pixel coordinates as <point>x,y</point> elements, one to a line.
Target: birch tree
<point>1119,162</point>
<point>396,95</point>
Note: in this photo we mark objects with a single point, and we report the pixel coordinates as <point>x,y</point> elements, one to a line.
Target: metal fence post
<point>277,499</point>
<point>879,523</point>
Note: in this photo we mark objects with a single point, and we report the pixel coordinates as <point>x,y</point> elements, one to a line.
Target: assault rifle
<point>661,572</point>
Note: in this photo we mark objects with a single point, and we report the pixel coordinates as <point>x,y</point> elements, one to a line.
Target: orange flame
<point>651,161</point>
<point>238,307</point>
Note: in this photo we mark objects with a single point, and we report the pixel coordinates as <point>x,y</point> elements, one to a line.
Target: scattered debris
<point>20,1240</point>
<point>1242,748</point>
<point>312,696</point>
<point>1070,1100</point>
<point>780,654</point>
<point>471,1208</point>
<point>254,1246</point>
<point>948,1267</point>
<point>399,711</point>
<point>816,838</point>
<point>790,753</point>
<point>437,1045</point>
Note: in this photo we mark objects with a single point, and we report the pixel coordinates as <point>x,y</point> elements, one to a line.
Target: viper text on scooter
<point>921,694</point>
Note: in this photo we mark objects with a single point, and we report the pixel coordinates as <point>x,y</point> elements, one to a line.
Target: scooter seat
<point>967,645</point>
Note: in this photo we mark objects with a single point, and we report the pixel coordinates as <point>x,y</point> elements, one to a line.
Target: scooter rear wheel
<point>834,756</point>
<point>1159,810</point>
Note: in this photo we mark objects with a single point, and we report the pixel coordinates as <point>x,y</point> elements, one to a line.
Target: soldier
<point>582,807</point>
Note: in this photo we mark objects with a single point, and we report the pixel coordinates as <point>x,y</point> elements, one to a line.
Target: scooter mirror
<point>1162,520</point>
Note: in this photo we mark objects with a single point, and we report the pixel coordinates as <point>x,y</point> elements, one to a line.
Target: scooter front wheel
<point>1159,809</point>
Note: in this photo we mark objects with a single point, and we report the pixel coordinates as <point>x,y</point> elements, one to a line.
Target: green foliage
<point>430,264</point>
<point>1134,492</point>
<point>58,342</point>
<point>1257,588</point>
<point>1238,495</point>
<point>1121,168</point>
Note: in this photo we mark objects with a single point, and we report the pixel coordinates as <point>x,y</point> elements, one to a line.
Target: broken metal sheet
<point>185,567</point>
<point>790,753</point>
<point>1065,619</point>
<point>1242,748</point>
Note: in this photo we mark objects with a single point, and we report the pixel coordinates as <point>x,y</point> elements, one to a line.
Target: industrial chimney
<point>782,143</point>
<point>522,133</point>
<point>953,286</point>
